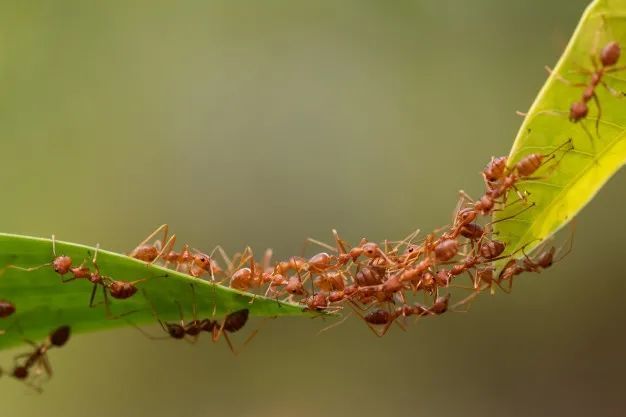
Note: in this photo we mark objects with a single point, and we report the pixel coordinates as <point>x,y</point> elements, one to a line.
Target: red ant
<point>119,290</point>
<point>61,264</point>
<point>370,250</point>
<point>543,260</point>
<point>232,323</point>
<point>608,58</point>
<point>39,357</point>
<point>385,318</point>
<point>192,262</point>
<point>150,253</point>
<point>255,276</point>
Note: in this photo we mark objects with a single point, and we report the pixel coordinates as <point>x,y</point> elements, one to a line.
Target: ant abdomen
<point>235,321</point>
<point>446,250</point>
<point>60,336</point>
<point>122,289</point>
<point>472,231</point>
<point>378,317</point>
<point>529,164</point>
<point>367,277</point>
<point>610,54</point>
<point>6,308</point>
<point>492,249</point>
<point>146,253</point>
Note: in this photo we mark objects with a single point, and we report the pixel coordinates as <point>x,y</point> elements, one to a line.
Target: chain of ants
<point>375,280</point>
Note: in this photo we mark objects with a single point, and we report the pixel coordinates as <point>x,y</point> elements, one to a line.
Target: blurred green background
<point>263,123</point>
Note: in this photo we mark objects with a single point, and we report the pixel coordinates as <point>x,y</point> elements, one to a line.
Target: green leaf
<point>568,183</point>
<point>43,302</point>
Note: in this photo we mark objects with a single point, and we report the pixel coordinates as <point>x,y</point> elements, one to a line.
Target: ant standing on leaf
<point>61,264</point>
<point>118,289</point>
<point>603,63</point>
<point>152,252</point>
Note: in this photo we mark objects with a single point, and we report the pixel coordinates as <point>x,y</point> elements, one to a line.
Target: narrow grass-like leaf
<point>568,182</point>
<point>43,302</point>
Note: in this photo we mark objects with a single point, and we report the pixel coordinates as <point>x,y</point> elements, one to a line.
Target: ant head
<point>201,260</point>
<point>62,264</point>
<point>467,215</point>
<point>610,54</point>
<point>495,168</point>
<point>294,285</point>
<point>317,301</point>
<point>60,336</point>
<point>411,249</point>
<point>441,304</point>
<point>443,277</point>
<point>176,331</point>
<point>578,111</point>
<point>20,372</point>
<point>370,249</point>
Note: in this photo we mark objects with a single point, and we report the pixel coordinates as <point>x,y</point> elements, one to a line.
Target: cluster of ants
<point>379,282</point>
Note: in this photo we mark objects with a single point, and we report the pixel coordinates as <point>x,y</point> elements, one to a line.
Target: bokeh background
<point>263,123</point>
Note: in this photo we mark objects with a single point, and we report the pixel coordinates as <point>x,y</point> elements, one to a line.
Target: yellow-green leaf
<point>569,182</point>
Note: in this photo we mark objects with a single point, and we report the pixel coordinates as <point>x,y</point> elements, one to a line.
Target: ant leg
<point>167,247</point>
<point>54,246</point>
<point>512,216</point>
<point>163,227</point>
<point>372,328</point>
<point>94,260</point>
<point>570,245</point>
<point>562,79</point>
<point>318,243</point>
<point>335,324</point>
<point>45,363</point>
<point>107,307</point>
<point>225,257</point>
<point>34,268</point>
<point>340,243</point>
<point>180,313</point>
<point>591,140</point>
<point>467,301</point>
<point>194,311</point>
<point>599,116</point>
<point>407,240</point>
<point>93,295</point>
<point>464,197</point>
<point>230,345</point>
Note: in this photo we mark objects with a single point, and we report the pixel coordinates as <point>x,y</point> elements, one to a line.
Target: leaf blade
<point>43,302</point>
<point>580,173</point>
